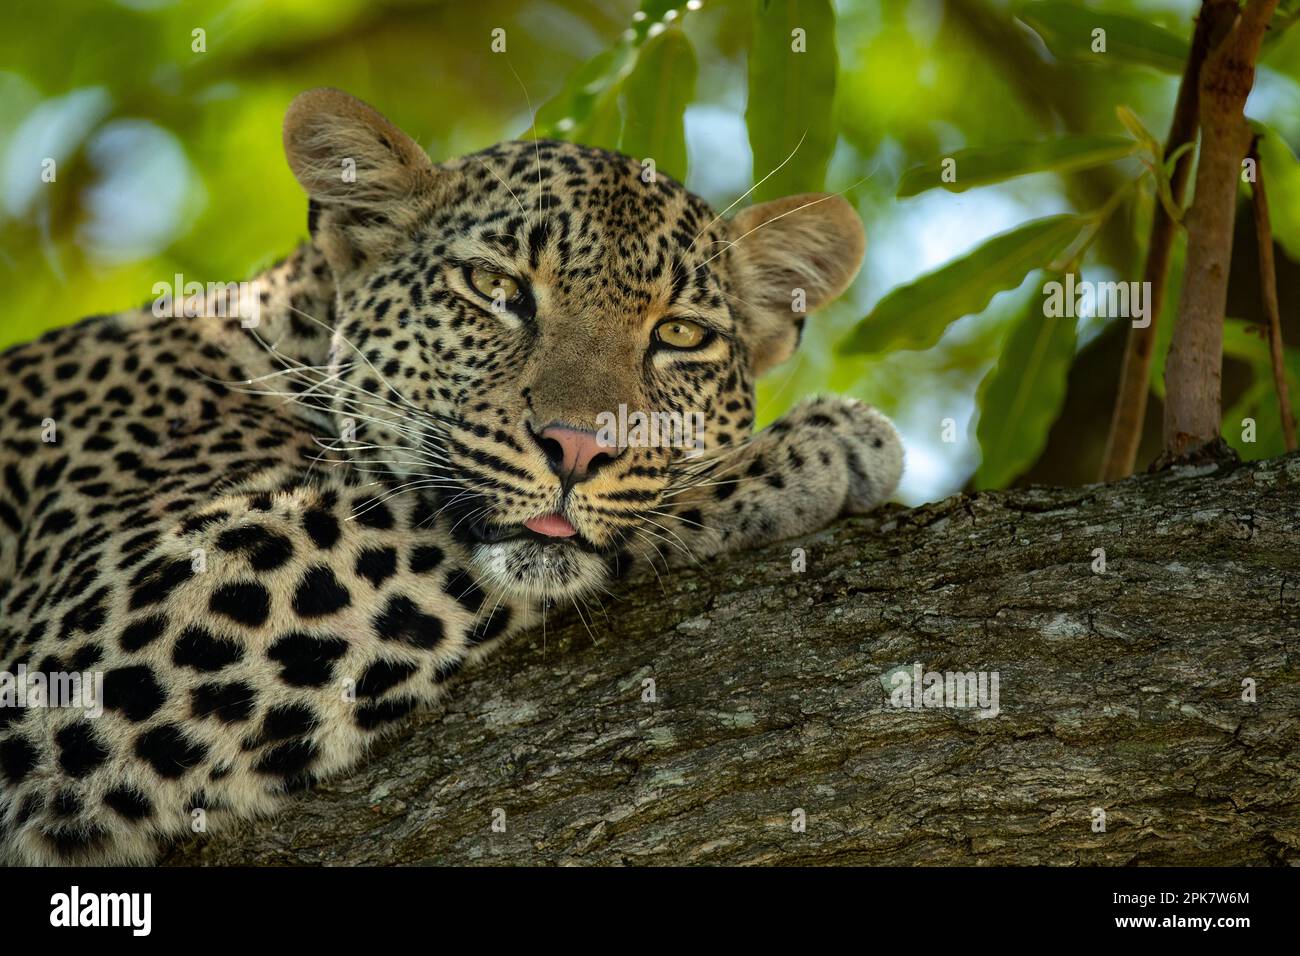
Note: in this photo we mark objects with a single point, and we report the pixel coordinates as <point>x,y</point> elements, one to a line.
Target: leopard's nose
<point>573,453</point>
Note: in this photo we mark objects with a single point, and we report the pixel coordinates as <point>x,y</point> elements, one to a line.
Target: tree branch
<point>1135,373</point>
<point>1121,691</point>
<point>1268,293</point>
<point>1194,368</point>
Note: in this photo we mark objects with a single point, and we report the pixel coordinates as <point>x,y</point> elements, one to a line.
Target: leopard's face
<point>539,338</point>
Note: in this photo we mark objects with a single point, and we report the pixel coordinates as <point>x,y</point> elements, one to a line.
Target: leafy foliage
<point>1071,32</point>
<point>987,146</point>
<point>995,164</point>
<point>916,315</point>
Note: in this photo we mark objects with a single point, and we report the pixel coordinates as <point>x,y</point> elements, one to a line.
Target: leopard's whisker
<point>731,243</point>
<point>503,183</point>
<point>338,334</point>
<point>742,196</point>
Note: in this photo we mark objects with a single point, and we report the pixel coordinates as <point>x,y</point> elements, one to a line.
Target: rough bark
<point>1120,690</point>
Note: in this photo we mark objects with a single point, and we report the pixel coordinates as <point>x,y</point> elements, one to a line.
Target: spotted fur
<point>276,542</point>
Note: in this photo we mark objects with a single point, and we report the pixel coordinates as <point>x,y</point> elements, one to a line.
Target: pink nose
<point>573,454</point>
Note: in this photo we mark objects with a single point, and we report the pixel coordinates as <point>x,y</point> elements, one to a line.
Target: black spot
<point>70,841</point>
<point>246,602</point>
<point>377,565</point>
<point>229,703</point>
<point>425,558</point>
<point>17,758</point>
<point>492,628</point>
<point>322,527</point>
<point>86,657</point>
<point>134,691</point>
<point>370,514</point>
<point>80,751</point>
<point>288,720</point>
<point>156,580</point>
<point>142,632</point>
<point>32,804</point>
<point>306,660</point>
<point>266,550</point>
<point>167,750</point>
<point>383,675</point>
<point>199,522</point>
<point>204,651</point>
<point>128,803</point>
<point>319,593</point>
<point>286,760</point>
<point>372,715</point>
<point>145,436</point>
<point>47,475</point>
<point>464,589</point>
<point>402,620</point>
<point>57,522</point>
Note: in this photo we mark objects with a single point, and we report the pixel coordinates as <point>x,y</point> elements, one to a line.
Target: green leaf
<point>654,100</point>
<point>603,126</point>
<point>1133,123</point>
<point>914,316</point>
<point>790,115</point>
<point>1067,30</point>
<point>1021,396</point>
<point>587,108</point>
<point>994,164</point>
<point>594,83</point>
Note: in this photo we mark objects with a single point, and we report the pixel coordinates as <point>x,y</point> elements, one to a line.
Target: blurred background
<point>162,119</point>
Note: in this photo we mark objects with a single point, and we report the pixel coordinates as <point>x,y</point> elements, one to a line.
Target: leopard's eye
<point>494,285</point>
<point>681,334</point>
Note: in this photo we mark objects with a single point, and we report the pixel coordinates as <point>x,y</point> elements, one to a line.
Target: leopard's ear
<point>791,256</point>
<point>364,176</point>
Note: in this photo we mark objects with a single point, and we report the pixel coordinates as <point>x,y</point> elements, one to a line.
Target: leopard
<point>270,521</point>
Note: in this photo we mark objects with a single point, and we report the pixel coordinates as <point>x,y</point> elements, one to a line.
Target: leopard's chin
<point>539,571</point>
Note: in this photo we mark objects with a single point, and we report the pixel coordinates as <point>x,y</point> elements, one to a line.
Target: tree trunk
<point>1124,692</point>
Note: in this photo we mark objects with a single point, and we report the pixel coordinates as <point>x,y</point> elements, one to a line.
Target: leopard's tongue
<point>552,525</point>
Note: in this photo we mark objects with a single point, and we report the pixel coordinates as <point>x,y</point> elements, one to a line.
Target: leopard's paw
<point>873,451</point>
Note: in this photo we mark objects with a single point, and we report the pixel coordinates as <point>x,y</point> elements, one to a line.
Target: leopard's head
<point>546,337</point>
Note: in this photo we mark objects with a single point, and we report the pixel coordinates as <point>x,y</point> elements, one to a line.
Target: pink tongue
<point>553,526</point>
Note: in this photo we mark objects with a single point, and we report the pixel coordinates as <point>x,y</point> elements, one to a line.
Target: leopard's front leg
<point>828,457</point>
